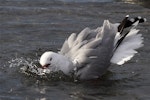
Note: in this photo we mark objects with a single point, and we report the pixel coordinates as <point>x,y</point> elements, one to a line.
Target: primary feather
<point>127,43</point>
<point>128,47</point>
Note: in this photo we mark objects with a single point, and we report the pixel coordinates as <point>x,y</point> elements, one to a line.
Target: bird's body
<point>89,53</point>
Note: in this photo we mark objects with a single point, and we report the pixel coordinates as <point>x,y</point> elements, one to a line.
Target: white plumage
<point>128,47</point>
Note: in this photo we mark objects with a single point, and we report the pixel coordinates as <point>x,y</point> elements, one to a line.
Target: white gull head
<point>47,59</point>
<point>55,62</point>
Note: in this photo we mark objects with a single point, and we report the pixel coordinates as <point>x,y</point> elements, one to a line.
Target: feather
<point>128,47</point>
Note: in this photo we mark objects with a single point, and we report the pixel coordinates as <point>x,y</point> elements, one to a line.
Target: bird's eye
<point>50,59</point>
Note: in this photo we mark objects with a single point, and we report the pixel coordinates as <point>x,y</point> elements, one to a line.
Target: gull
<point>89,54</point>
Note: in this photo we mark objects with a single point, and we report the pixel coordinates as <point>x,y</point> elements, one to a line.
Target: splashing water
<point>32,68</point>
<point>28,66</point>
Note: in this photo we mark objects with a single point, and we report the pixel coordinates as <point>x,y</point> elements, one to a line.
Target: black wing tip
<point>128,23</point>
<point>123,24</point>
<point>132,21</point>
<point>142,19</point>
<point>139,18</point>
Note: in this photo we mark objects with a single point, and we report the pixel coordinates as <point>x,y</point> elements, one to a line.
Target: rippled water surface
<point>30,27</point>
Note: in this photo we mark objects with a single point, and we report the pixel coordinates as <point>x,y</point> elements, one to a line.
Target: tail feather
<point>126,44</point>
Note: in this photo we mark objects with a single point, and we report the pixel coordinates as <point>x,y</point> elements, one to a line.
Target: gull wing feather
<point>91,50</point>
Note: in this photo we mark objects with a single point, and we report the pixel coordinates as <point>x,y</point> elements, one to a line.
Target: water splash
<point>28,66</point>
<point>31,67</point>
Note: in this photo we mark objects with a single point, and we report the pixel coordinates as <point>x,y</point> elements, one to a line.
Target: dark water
<point>30,27</point>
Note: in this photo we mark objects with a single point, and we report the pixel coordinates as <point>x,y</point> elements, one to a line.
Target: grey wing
<point>68,44</point>
<point>95,59</point>
<point>91,50</point>
<point>75,40</point>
